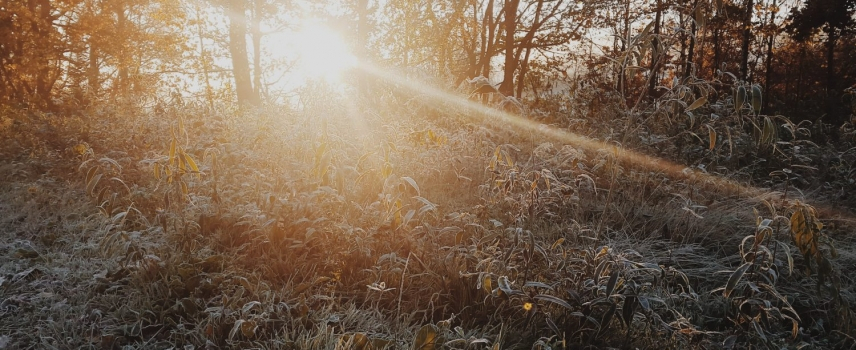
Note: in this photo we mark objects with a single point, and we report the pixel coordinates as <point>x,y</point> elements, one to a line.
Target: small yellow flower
<point>527,306</point>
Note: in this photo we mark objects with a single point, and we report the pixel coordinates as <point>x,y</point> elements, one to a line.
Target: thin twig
<point>401,285</point>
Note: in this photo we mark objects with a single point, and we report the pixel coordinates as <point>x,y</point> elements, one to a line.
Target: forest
<point>427,174</point>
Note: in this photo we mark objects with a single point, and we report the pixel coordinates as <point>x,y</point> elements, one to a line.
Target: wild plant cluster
<point>346,226</point>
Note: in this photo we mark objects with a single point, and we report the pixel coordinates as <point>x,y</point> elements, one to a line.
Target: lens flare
<point>322,53</point>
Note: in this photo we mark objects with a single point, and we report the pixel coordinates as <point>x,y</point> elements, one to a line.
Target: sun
<point>322,53</point>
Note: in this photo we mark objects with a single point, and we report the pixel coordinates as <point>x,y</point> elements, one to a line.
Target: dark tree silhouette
<point>835,19</point>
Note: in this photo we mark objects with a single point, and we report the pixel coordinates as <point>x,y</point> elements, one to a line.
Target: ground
<point>421,224</point>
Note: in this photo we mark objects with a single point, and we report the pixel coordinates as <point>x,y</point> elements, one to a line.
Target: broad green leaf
<point>739,98</point>
<point>554,300</point>
<point>735,278</point>
<point>610,285</point>
<point>756,99</point>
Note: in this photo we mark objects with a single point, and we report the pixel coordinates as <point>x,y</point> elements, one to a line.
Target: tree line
<point>55,53</point>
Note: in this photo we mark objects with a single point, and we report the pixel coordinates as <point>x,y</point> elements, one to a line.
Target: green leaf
<point>739,98</point>
<point>756,99</point>
<point>610,285</point>
<point>735,278</point>
<point>554,300</point>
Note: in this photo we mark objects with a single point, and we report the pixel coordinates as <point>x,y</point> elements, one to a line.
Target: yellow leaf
<point>191,163</point>
<point>358,341</point>
<point>248,329</point>
<point>805,228</point>
<point>172,150</point>
<point>697,103</point>
<point>712,136</point>
<point>380,344</point>
<point>427,338</point>
<point>557,243</point>
<point>181,160</point>
<point>486,284</point>
<point>386,170</point>
<point>156,171</point>
<point>168,172</point>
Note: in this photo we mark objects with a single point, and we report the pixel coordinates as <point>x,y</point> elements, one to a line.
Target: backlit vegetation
<point>652,200</point>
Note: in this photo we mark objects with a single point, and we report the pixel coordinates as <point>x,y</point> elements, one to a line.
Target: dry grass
<point>364,225</point>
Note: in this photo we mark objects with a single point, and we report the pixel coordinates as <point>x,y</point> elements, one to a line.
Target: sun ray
<point>478,110</point>
<point>322,52</point>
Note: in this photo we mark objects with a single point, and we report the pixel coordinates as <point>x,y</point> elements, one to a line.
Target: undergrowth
<point>344,226</point>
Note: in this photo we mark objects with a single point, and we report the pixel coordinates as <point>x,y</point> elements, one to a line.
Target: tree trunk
<point>683,57</point>
<point>622,70</point>
<point>256,35</point>
<point>487,46</point>
<point>799,94</point>
<point>716,50</point>
<point>121,19</point>
<point>830,79</point>
<point>747,36</point>
<point>43,26</point>
<point>689,62</point>
<point>655,44</point>
<point>524,68</point>
<point>238,52</point>
<point>92,71</point>
<point>203,56</point>
<point>769,59</point>
<point>363,33</point>
<point>526,44</point>
<point>507,86</point>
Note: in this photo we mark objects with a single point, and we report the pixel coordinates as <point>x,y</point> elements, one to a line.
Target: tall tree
<point>510,27</point>
<point>236,11</point>
<point>835,19</point>
<point>30,51</point>
<point>747,38</point>
<point>655,49</point>
<point>771,29</point>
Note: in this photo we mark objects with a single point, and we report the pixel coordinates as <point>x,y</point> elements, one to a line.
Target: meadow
<point>419,219</point>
